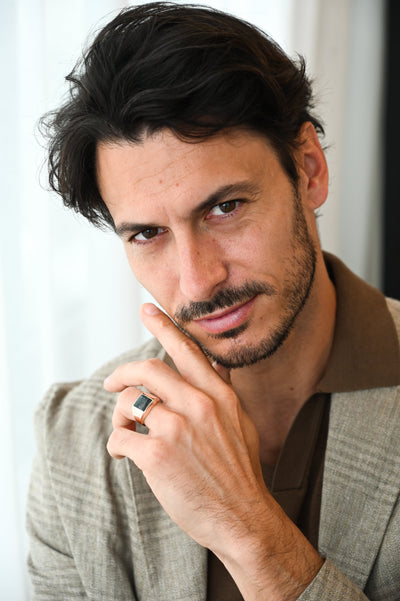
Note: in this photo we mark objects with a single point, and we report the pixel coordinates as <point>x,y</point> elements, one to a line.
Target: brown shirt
<point>365,354</point>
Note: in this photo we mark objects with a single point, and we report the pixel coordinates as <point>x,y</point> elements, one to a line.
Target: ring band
<point>142,407</point>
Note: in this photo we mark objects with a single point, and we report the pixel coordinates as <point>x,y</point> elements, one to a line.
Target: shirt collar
<point>365,351</point>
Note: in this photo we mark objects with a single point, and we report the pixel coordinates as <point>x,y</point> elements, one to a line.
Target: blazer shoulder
<point>62,392</point>
<point>69,408</point>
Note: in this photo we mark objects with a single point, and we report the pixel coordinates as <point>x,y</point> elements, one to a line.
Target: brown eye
<point>147,234</point>
<point>228,206</point>
<point>150,233</point>
<point>224,207</point>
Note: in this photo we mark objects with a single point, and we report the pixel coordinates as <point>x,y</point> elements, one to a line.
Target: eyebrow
<point>215,198</point>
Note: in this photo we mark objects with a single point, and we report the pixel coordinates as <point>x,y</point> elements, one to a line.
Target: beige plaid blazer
<point>98,533</point>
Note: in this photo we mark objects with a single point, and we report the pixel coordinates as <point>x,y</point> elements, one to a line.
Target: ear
<point>312,167</point>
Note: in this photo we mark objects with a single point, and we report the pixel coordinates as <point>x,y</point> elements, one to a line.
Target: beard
<point>300,272</point>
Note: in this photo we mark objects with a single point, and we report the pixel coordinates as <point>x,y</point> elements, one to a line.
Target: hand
<point>201,452</point>
<point>201,460</point>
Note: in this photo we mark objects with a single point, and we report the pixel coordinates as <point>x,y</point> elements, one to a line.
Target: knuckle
<point>121,371</point>
<point>176,424</point>
<point>173,428</point>
<point>127,395</point>
<point>209,408</point>
<point>124,403</point>
<point>153,364</point>
<point>188,346</point>
<point>206,407</point>
<point>117,443</point>
<point>165,324</point>
<point>120,438</point>
<point>156,453</point>
<point>230,399</point>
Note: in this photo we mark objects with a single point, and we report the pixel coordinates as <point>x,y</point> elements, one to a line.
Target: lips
<point>228,319</point>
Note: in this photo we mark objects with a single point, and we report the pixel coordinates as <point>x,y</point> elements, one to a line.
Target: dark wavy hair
<point>189,68</point>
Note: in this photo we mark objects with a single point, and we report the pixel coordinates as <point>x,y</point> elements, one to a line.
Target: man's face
<point>216,233</point>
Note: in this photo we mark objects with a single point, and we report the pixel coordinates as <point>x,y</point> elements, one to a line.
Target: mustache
<point>223,299</point>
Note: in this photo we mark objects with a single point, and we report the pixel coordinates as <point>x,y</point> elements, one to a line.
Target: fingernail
<point>150,309</point>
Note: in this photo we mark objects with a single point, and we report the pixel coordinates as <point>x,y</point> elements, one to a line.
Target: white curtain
<point>67,299</point>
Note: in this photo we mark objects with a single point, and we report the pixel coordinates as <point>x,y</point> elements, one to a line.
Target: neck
<point>273,391</point>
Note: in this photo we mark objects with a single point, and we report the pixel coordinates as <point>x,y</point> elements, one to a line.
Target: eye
<point>224,208</point>
<point>146,235</point>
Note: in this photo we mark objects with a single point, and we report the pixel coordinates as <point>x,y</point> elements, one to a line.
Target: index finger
<point>188,357</point>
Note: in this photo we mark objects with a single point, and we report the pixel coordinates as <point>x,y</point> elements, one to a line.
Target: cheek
<point>258,244</point>
<point>267,247</point>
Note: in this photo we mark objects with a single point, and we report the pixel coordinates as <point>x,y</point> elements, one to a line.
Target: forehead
<point>162,166</point>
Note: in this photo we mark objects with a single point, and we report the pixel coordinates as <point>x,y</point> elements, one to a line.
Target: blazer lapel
<point>361,478</point>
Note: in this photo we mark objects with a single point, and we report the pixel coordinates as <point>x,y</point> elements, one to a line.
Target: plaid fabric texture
<point>98,533</point>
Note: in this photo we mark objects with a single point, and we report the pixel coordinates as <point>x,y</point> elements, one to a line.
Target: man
<point>259,429</point>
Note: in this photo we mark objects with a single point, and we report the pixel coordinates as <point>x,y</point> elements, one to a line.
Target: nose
<point>202,267</point>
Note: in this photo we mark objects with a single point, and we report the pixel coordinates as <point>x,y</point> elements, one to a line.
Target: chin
<point>240,355</point>
<point>236,348</point>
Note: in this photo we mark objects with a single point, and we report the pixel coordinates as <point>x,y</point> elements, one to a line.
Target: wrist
<point>272,561</point>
